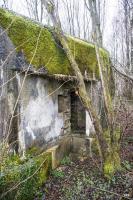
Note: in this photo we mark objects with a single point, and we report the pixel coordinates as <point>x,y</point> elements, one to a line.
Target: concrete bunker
<point>48,108</point>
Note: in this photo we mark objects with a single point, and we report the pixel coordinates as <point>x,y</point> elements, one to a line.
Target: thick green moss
<point>111,164</point>
<point>112,161</point>
<point>24,35</point>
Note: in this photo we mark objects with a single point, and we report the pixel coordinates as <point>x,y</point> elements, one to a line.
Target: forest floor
<point>82,180</point>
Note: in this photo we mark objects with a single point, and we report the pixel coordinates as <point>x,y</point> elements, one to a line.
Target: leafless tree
<point>124,34</point>
<point>4,3</point>
<point>97,12</point>
<point>35,9</point>
<point>108,151</point>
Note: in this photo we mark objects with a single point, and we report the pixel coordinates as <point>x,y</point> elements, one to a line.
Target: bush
<point>21,179</point>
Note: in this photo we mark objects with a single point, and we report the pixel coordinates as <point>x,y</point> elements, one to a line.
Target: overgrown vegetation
<point>66,160</point>
<point>21,179</point>
<point>57,174</point>
<point>83,180</point>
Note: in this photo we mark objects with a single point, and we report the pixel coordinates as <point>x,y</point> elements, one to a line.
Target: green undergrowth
<point>21,179</point>
<point>112,164</point>
<point>57,173</point>
<point>66,161</point>
<point>40,49</point>
<point>95,187</point>
<point>84,180</point>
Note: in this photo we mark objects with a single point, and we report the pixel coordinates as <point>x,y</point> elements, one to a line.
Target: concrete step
<point>59,151</point>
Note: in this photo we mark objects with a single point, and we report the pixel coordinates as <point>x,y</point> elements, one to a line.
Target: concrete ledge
<point>75,144</point>
<point>59,151</point>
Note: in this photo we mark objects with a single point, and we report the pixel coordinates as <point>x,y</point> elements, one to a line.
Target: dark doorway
<point>78,116</point>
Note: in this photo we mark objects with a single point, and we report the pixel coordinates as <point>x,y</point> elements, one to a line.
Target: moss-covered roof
<point>40,48</point>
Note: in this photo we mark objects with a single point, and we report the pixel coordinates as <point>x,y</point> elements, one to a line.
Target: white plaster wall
<point>94,92</point>
<point>89,125</point>
<point>40,120</point>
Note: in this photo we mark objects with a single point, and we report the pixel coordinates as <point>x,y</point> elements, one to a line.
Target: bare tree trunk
<point>81,85</point>
<point>77,18</point>
<point>107,150</point>
<point>95,22</point>
<point>111,130</point>
<point>36,10</point>
<point>131,68</point>
<point>127,6</point>
<point>41,14</point>
<point>97,38</point>
<point>127,33</point>
<point>5,4</point>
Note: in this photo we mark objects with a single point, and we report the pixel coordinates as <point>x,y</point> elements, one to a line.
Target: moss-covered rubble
<point>40,48</point>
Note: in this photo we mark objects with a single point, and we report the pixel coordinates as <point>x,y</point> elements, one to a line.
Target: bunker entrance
<point>78,115</point>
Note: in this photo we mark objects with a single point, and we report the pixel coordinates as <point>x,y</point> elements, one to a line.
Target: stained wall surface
<point>34,111</point>
<point>41,122</point>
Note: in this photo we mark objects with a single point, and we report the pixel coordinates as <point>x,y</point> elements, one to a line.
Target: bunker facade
<point>39,101</point>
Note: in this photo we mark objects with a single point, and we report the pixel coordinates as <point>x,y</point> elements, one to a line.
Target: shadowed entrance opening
<point>78,115</point>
